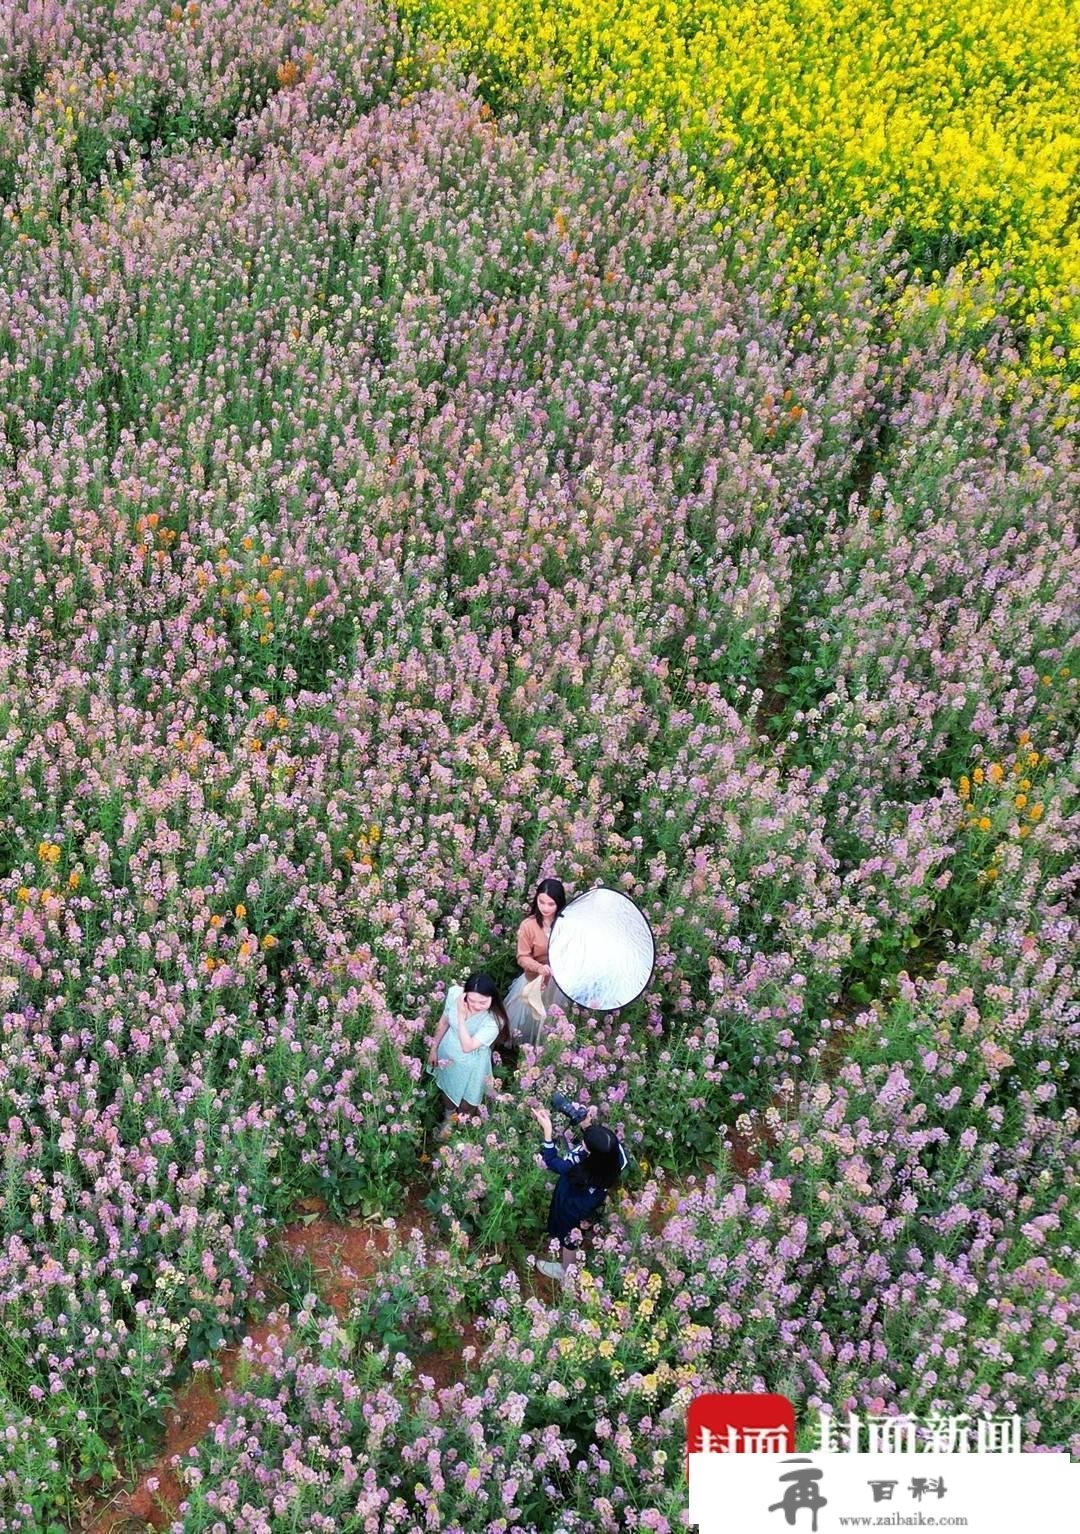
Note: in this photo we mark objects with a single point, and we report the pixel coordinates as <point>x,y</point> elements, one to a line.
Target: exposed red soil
<point>196,1406</point>
<point>446,1366</point>
<point>745,1158</point>
<point>343,1258</point>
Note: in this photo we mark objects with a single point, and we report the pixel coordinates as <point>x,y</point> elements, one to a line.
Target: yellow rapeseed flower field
<point>953,121</point>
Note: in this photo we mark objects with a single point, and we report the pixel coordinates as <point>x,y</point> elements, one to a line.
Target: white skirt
<point>525,1026</point>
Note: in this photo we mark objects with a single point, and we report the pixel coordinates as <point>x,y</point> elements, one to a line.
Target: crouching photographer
<point>586,1175</point>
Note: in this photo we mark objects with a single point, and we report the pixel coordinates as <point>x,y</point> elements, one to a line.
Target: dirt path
<point>343,1257</point>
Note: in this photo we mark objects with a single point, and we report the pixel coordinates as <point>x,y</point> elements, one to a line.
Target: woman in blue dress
<point>473,1021</point>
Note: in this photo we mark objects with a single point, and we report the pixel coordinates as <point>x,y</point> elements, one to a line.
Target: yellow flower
<point>23,893</point>
<point>985,823</point>
<point>606,1349</point>
<point>240,912</point>
<point>995,772</point>
<point>965,787</point>
<point>1033,759</point>
<point>1035,812</point>
<point>1020,801</point>
<point>979,775</point>
<point>269,941</point>
<point>1024,737</point>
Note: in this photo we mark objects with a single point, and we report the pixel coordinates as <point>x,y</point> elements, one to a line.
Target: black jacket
<point>572,1201</point>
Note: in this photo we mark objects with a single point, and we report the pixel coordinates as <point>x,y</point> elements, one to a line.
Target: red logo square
<point>740,1424</point>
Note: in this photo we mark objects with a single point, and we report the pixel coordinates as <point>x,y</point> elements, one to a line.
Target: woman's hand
<point>431,1054</point>
<point>543,1118</point>
<point>545,972</point>
<point>589,1118</point>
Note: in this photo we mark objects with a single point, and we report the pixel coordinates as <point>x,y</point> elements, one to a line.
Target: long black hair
<point>483,985</point>
<point>554,889</point>
<point>604,1162</point>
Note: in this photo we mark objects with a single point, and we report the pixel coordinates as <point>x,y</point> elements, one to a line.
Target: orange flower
<point>241,912</point>
<point>288,73</point>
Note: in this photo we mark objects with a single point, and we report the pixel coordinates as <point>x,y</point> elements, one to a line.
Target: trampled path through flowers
<point>344,1257</point>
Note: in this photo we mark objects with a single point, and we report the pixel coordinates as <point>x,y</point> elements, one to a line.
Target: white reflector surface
<point>602,950</point>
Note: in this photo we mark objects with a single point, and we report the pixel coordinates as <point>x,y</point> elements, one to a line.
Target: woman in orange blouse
<point>532,954</point>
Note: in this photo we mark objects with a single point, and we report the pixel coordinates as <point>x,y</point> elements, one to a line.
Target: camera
<point>572,1111</point>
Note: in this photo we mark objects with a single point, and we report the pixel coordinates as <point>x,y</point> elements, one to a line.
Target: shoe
<point>553,1270</point>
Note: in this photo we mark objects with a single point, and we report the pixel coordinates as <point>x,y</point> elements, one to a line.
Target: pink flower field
<point>401,504</point>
